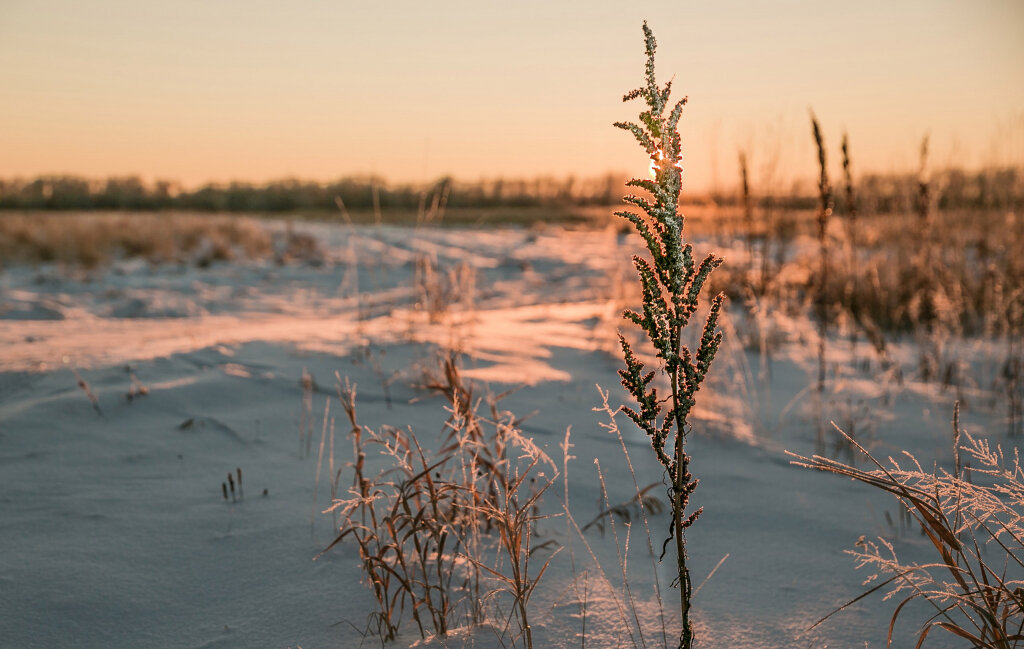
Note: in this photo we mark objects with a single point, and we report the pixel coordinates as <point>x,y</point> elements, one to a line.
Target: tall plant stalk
<point>851,199</point>
<point>922,207</point>
<point>826,203</point>
<point>851,236</point>
<point>671,282</point>
<point>748,212</point>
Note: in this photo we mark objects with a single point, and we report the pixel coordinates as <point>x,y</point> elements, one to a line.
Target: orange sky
<point>195,90</point>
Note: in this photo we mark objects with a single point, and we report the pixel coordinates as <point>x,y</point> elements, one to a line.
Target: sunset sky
<point>195,91</point>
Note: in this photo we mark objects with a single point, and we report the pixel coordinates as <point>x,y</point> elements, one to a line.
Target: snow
<point>115,532</point>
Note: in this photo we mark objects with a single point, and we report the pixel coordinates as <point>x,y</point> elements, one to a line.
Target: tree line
<point>290,195</point>
<point>1001,188</point>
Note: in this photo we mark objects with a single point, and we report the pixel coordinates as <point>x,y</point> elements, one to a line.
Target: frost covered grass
<point>448,530</point>
<point>973,517</point>
<point>935,276</point>
<point>447,534</point>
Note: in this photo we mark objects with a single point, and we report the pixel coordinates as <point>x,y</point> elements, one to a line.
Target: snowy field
<point>115,531</point>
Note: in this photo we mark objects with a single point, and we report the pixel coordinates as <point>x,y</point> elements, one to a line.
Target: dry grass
<point>933,276</point>
<point>447,533</point>
<point>636,509</point>
<point>974,521</point>
<point>89,240</point>
<point>886,270</point>
<point>440,290</point>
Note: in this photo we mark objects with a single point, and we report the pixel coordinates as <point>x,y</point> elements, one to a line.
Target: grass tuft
<point>974,523</point>
<point>447,533</point>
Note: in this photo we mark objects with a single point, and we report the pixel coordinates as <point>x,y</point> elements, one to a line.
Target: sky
<point>196,91</point>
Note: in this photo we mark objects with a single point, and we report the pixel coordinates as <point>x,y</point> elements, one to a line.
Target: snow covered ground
<point>115,532</point>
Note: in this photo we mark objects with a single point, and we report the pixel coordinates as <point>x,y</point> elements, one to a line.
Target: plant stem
<point>682,461</point>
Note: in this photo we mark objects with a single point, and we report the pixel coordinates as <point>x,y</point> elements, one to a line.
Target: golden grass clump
<point>973,518</point>
<point>447,533</point>
<point>81,240</point>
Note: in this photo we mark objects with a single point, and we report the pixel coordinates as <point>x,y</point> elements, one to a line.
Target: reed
<point>825,206</point>
<point>1011,375</point>
<point>849,194</point>
<point>850,297</point>
<point>748,209</point>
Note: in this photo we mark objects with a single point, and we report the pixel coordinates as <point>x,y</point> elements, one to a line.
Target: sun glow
<point>658,163</point>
